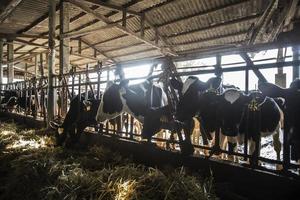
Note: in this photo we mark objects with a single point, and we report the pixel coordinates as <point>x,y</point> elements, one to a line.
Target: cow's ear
<point>109,84</point>
<point>124,83</point>
<point>213,83</point>
<point>176,84</point>
<point>271,90</point>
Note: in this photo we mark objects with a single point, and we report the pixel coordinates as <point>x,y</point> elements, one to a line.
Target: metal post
<point>1,60</point>
<point>247,81</point>
<point>296,56</point>
<point>99,78</point>
<point>64,55</point>
<point>51,61</point>
<point>10,59</point>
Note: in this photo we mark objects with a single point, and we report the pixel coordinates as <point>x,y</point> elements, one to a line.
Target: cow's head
<point>231,108</point>
<point>292,100</point>
<point>190,101</point>
<point>111,105</point>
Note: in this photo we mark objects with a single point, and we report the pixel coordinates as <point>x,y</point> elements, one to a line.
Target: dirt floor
<point>32,168</point>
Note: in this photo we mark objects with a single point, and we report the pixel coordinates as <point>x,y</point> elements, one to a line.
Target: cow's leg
<point>187,143</point>
<point>79,131</point>
<point>232,147</point>
<point>223,142</point>
<point>252,149</point>
<point>277,145</point>
<point>61,135</point>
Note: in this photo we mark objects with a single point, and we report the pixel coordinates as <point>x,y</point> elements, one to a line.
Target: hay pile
<point>31,168</point>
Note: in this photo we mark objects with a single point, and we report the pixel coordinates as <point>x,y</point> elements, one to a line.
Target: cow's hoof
<point>187,149</point>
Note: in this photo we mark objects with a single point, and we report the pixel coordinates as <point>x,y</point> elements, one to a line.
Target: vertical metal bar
<point>296,56</point>
<point>131,126</point>
<point>246,134</point>
<point>1,60</point>
<point>247,81</point>
<point>51,62</point>
<point>286,144</point>
<point>126,124</point>
<point>30,95</point>
<point>99,79</point>
<point>64,54</point>
<point>86,81</point>
<point>10,65</point>
<point>73,82</point>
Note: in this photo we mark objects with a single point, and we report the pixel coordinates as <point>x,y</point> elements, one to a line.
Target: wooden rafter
<point>98,50</point>
<point>13,36</point>
<point>9,9</point>
<point>121,28</point>
<point>113,7</point>
<point>20,41</point>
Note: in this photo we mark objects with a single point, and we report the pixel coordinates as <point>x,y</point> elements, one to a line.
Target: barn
<point>149,99</point>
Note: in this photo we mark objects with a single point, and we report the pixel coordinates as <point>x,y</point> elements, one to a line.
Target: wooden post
<point>1,60</point>
<point>51,61</point>
<point>280,77</point>
<point>79,46</point>
<point>124,13</point>
<point>36,66</point>
<point>41,69</point>
<point>143,25</point>
<point>64,52</point>
<point>10,60</point>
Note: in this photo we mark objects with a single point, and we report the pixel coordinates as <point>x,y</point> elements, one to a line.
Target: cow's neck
<point>128,106</point>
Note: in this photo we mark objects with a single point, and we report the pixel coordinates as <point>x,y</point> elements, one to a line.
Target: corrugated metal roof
<point>186,24</point>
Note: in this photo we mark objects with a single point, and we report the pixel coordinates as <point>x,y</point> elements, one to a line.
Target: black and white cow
<point>292,111</point>
<point>81,114</point>
<point>145,101</point>
<point>226,111</point>
<point>194,99</point>
<point>9,99</point>
<point>135,100</point>
<point>255,114</point>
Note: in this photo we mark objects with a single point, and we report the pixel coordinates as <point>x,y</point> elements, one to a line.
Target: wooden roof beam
<point>98,50</point>
<point>84,56</point>
<point>9,9</point>
<point>20,41</point>
<point>111,6</point>
<point>121,28</point>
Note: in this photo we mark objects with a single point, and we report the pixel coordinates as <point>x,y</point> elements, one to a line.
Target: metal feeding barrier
<point>78,82</point>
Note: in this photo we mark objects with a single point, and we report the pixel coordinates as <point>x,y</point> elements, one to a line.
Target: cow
<point>225,111</point>
<point>9,99</point>
<point>81,114</point>
<point>291,110</point>
<point>193,92</point>
<point>146,102</point>
<point>254,114</point>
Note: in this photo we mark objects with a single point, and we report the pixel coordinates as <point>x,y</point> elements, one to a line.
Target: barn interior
<point>53,50</point>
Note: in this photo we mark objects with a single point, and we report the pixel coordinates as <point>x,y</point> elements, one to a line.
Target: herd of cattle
<point>227,110</point>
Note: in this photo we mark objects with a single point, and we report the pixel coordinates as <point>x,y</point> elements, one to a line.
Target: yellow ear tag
<point>60,130</point>
<point>163,119</point>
